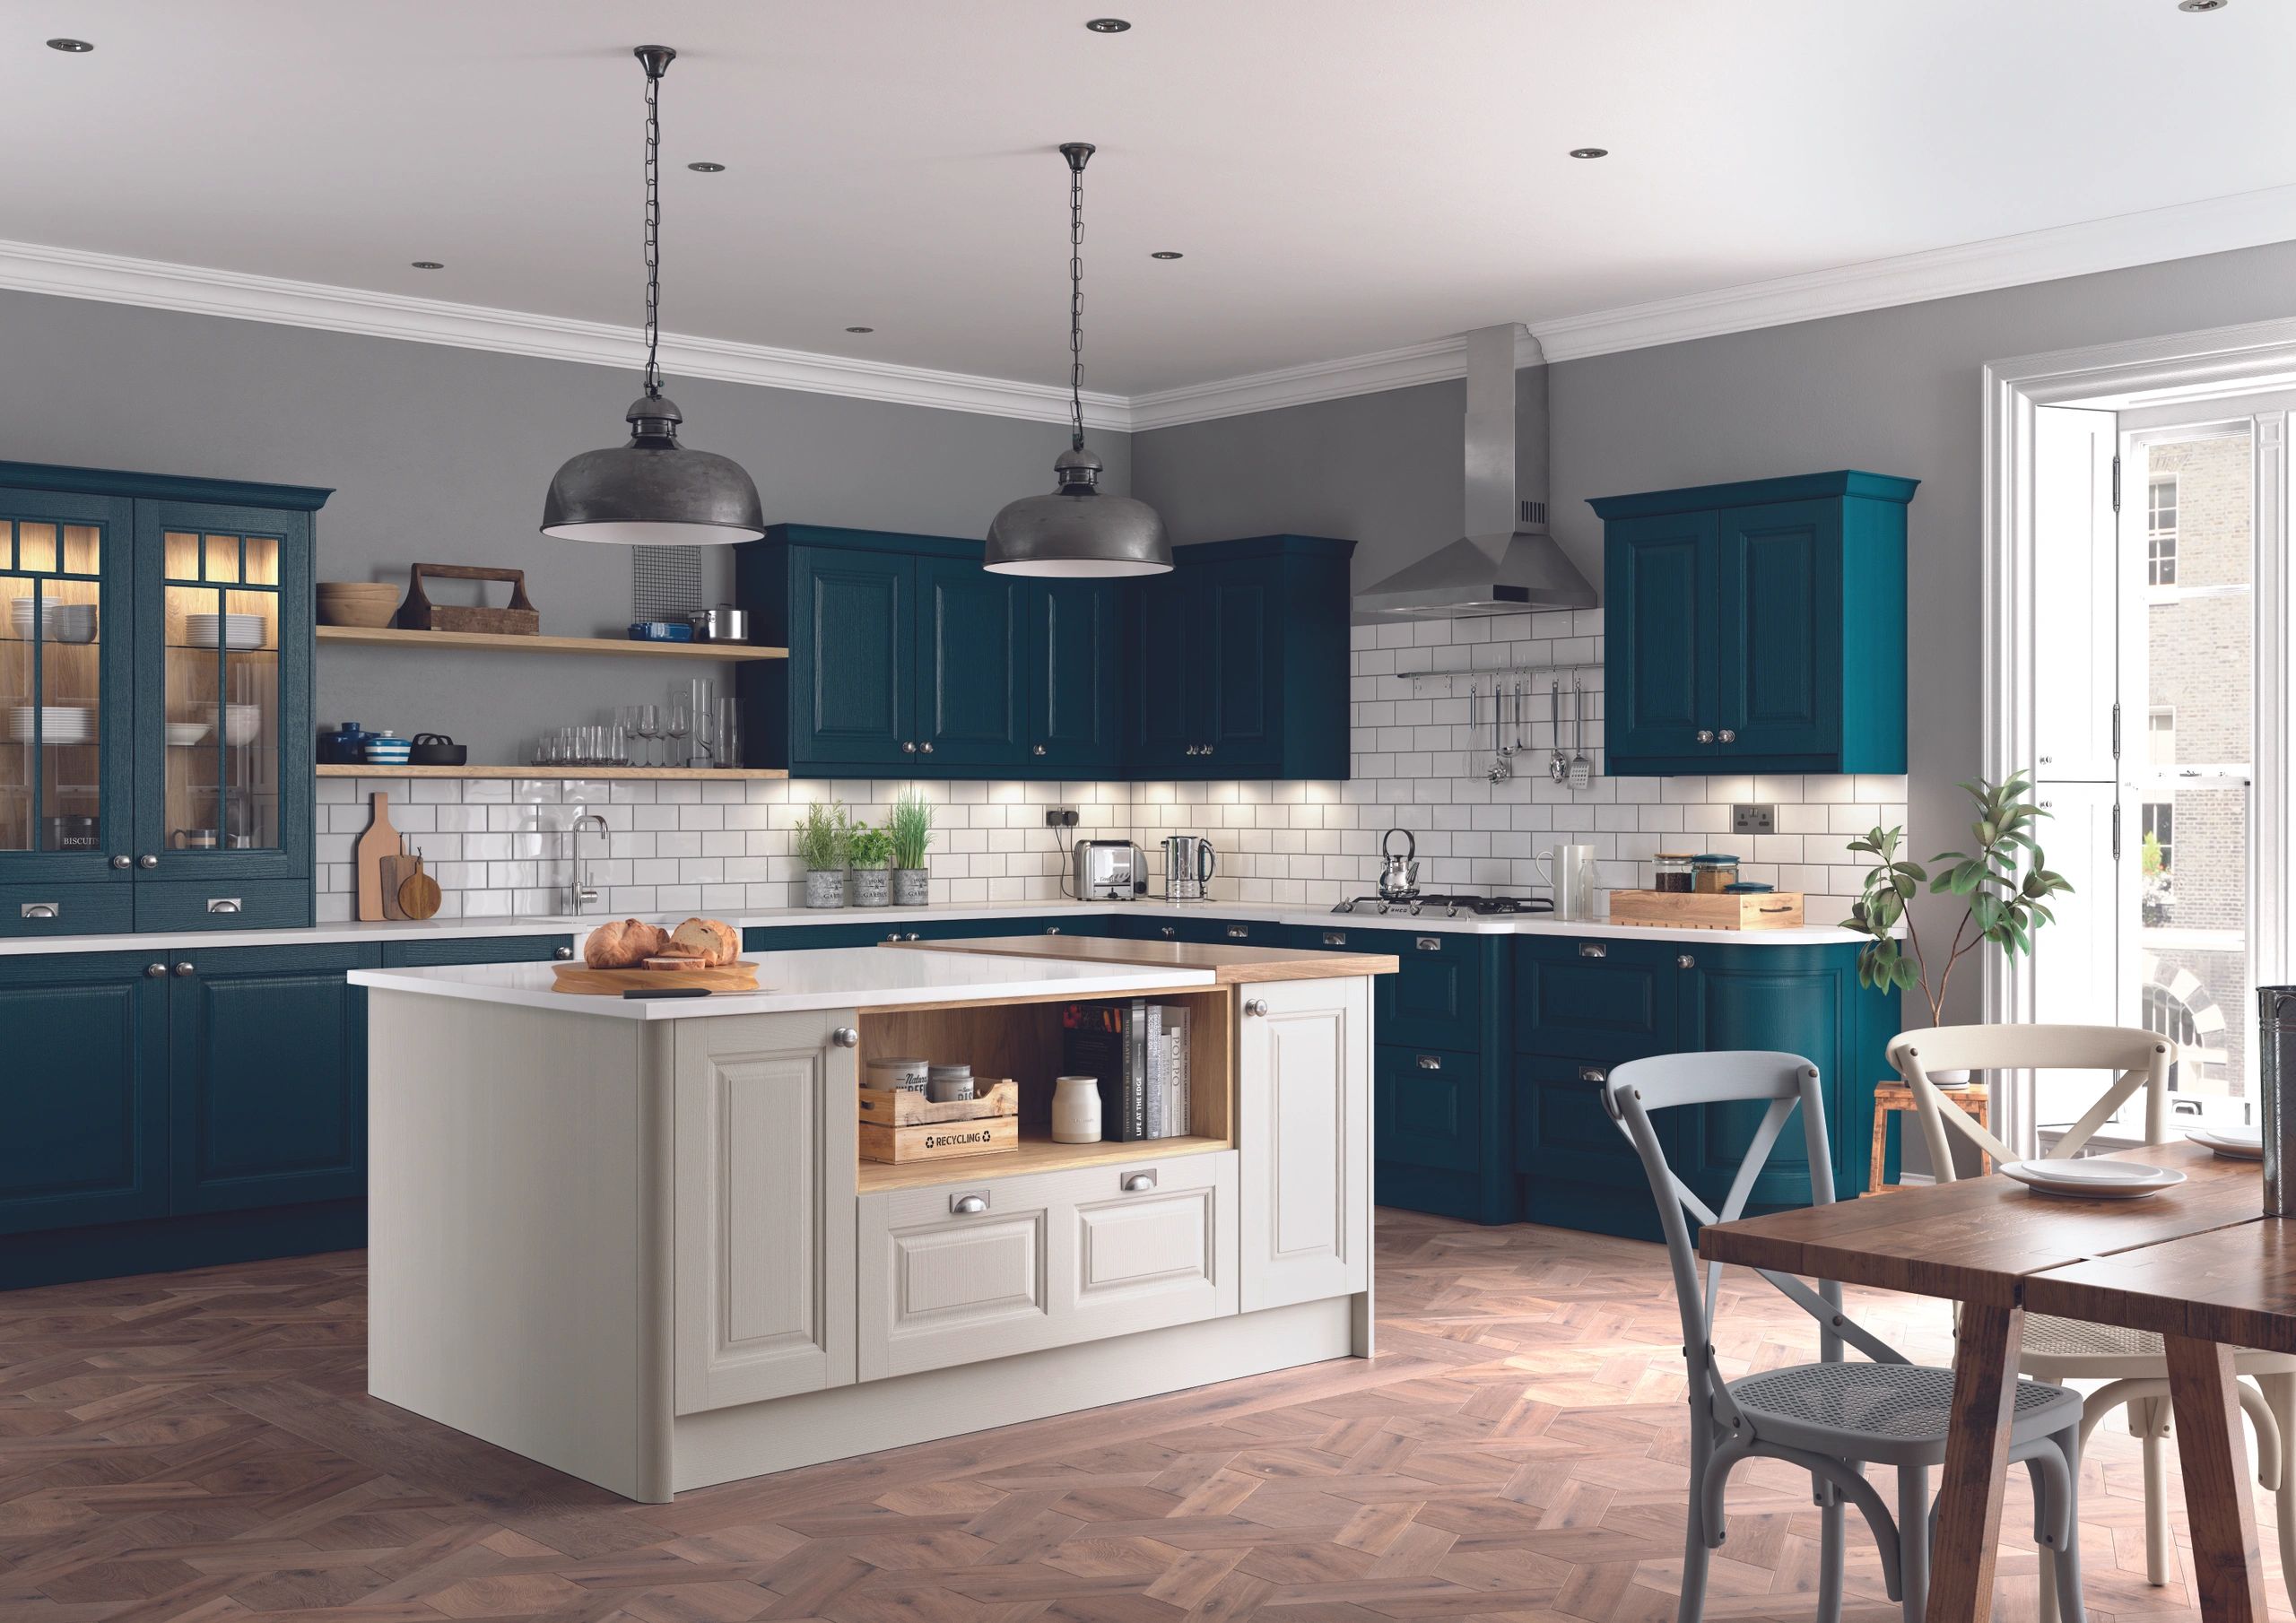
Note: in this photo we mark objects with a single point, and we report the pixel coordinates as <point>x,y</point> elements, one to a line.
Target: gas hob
<point>1448,905</point>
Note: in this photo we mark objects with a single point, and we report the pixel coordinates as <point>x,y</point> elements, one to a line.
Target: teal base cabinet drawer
<point>1603,1000</point>
<point>49,910</point>
<point>1577,1170</point>
<point>1427,1108</point>
<point>1436,995</point>
<point>477,950</point>
<point>224,903</point>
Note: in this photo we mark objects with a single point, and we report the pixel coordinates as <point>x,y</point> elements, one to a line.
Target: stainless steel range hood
<point>1507,562</point>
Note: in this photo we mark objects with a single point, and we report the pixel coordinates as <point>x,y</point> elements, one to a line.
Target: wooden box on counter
<point>901,1126</point>
<point>1691,910</point>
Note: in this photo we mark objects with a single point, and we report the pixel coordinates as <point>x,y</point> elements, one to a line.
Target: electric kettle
<point>1398,875</point>
<point>1188,862</point>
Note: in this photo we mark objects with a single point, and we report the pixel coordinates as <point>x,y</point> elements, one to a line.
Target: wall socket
<point>1060,817</point>
<point>1754,819</point>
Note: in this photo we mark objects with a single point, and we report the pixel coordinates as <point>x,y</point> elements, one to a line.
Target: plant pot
<point>911,887</point>
<point>824,887</point>
<point>872,887</point>
<point>1949,1081</point>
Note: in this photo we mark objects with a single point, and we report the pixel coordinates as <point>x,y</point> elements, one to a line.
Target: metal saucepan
<point>724,623</point>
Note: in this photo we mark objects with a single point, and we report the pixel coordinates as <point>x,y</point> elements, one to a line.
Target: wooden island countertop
<point>1230,966</point>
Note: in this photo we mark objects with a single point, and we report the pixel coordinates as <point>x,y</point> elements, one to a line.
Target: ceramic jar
<point>824,887</point>
<point>910,887</point>
<point>1076,1110</point>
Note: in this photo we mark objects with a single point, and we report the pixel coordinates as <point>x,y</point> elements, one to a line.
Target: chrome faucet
<point>582,889</point>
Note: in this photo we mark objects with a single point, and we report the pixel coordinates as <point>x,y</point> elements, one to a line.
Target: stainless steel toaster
<point>1107,870</point>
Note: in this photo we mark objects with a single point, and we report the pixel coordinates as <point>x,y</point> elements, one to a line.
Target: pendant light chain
<point>1076,305</point>
<point>652,230</point>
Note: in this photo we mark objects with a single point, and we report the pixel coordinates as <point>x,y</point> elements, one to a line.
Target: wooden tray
<point>738,977</point>
<point>900,1107</point>
<point>419,613</point>
<point>900,1126</point>
<point>1688,910</point>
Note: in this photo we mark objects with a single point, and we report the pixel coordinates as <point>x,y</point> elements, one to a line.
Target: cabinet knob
<point>908,748</point>
<point>845,1037</point>
<point>1728,736</point>
<point>894,935</point>
<point>1039,749</point>
<point>147,860</point>
<point>1683,960</point>
<point>912,936</point>
<point>1258,1005</point>
<point>1052,929</point>
<point>1207,749</point>
<point>1169,931</point>
<point>968,1205</point>
<point>1705,735</point>
<point>122,860</point>
<point>1429,1062</point>
<point>562,953</point>
<point>183,967</point>
<point>1192,751</point>
<point>927,746</point>
<point>153,972</point>
<point>1138,1182</point>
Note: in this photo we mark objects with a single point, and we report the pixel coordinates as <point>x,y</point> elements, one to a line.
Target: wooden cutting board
<point>740,976</point>
<point>380,840</point>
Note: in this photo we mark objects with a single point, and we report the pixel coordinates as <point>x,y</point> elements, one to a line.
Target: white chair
<point>1831,1418</point>
<point>2130,1362</point>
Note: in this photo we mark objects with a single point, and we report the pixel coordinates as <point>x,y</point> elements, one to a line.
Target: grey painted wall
<point>1896,391</point>
<point>443,455</point>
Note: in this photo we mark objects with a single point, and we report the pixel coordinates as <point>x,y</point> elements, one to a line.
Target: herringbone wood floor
<point>199,1446</point>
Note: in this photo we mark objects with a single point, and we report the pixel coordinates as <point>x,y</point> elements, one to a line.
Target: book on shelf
<point>1137,1052</point>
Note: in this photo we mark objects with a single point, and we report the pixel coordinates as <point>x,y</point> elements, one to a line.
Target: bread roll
<point>621,943</point>
<point>711,940</point>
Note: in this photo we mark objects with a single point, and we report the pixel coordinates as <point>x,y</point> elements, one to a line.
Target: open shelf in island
<point>1023,1041</point>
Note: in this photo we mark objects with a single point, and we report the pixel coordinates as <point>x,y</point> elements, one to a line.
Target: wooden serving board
<point>738,977</point>
<point>1690,910</point>
<point>900,1107</point>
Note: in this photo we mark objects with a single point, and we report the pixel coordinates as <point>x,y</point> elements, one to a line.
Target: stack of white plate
<point>59,621</point>
<point>2096,1178</point>
<point>58,725</point>
<point>235,631</point>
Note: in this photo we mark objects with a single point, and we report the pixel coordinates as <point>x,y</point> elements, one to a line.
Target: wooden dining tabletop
<point>2199,1264</point>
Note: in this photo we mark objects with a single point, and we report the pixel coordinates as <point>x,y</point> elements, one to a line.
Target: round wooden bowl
<point>357,603</point>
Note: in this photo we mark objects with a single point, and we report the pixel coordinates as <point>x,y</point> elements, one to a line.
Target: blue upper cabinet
<point>1756,626</point>
<point>906,658</point>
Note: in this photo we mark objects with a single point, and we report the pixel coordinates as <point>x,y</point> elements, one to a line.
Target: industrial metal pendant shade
<point>1077,531</point>
<point>653,491</point>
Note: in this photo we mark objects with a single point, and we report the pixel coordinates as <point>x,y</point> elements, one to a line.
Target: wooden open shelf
<point>1023,1041</point>
<point>391,637</point>
<point>587,774</point>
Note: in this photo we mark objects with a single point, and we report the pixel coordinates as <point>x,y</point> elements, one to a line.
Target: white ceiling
<point>1344,176</point>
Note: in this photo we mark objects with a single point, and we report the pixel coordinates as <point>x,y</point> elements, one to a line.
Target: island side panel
<point>512,1243</point>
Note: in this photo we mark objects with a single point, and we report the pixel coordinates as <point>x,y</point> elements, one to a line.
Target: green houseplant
<point>910,827</point>
<point>824,839</point>
<point>870,849</point>
<point>2004,878</point>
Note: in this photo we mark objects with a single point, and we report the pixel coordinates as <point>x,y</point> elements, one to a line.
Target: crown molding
<point>77,274</point>
<point>2181,231</point>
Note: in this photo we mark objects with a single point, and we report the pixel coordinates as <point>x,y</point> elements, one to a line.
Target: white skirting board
<point>723,1444</point>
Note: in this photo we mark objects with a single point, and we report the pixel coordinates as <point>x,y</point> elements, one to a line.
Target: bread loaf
<point>623,943</point>
<point>713,941</point>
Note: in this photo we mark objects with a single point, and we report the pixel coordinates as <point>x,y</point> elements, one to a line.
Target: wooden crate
<point>901,1126</point>
<point>1689,910</point>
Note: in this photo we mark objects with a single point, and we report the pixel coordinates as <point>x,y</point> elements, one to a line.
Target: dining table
<point>2198,1265</point>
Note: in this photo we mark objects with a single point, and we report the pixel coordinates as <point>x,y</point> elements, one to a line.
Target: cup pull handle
<point>1593,1073</point>
<point>1593,950</point>
<point>223,904</point>
<point>42,911</point>
<point>1137,1182</point>
<point>1334,938</point>
<point>968,1205</point>
<point>1430,943</point>
<point>1428,1061</point>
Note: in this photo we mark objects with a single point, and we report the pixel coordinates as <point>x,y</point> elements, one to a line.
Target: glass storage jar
<point>1674,870</point>
<point>1712,874</point>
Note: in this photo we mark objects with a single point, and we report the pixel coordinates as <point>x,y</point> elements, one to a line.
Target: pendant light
<point>653,491</point>
<point>1077,531</point>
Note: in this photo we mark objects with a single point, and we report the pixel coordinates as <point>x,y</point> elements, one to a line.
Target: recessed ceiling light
<point>77,47</point>
<point>1167,253</point>
<point>707,168</point>
<point>1590,151</point>
<point>860,329</point>
<point>428,264</point>
<point>2202,5</point>
<point>1107,25</point>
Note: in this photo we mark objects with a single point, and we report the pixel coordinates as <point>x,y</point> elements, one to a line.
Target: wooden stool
<point>1893,1097</point>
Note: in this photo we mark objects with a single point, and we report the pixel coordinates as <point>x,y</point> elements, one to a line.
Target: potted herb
<point>822,842</point>
<point>2005,879</point>
<point>910,828</point>
<point>870,848</point>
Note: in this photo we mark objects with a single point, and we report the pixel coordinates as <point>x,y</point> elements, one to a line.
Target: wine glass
<point>649,728</point>
<point>676,726</point>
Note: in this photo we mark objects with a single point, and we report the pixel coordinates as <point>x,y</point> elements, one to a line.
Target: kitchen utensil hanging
<point>1582,770</point>
<point>1557,767</point>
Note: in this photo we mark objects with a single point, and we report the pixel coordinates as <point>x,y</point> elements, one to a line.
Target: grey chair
<point>1831,1418</point>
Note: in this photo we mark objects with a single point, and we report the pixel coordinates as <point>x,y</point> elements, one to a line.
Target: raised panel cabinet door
<point>1435,997</point>
<point>1149,1244</point>
<point>852,657</point>
<point>1778,607</point>
<point>1304,1132</point>
<point>1658,624</point>
<point>943,1283</point>
<point>1427,1107</point>
<point>83,1091</point>
<point>1165,650</point>
<point>1075,653</point>
<point>268,1079</point>
<point>1242,605</point>
<point>764,1208</point>
<point>1600,999</point>
<point>1778,1001</point>
<point>971,673</point>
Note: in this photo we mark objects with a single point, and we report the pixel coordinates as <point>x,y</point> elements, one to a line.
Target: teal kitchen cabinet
<point>1075,678</point>
<point>850,626</point>
<point>83,1093</point>
<point>156,768</point>
<point>1756,626</point>
<point>972,670</point>
<point>268,1077</point>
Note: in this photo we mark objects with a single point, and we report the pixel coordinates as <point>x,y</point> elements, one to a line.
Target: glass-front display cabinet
<point>156,713</point>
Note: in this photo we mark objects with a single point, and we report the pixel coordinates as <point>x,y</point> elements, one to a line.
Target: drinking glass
<point>616,750</point>
<point>676,726</point>
<point>626,722</point>
<point>729,731</point>
<point>569,747</point>
<point>649,728</point>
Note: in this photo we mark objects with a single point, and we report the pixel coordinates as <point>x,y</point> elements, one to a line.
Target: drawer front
<point>1603,1000</point>
<point>224,903</point>
<point>476,949</point>
<point>66,909</point>
<point>1427,1107</point>
<point>1562,1133</point>
<point>1434,999</point>
<point>1050,1259</point>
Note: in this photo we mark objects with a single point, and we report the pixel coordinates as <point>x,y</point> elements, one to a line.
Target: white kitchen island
<point>634,1240</point>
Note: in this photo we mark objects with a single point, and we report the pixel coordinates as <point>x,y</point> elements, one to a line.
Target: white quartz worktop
<point>843,977</point>
<point>318,935</point>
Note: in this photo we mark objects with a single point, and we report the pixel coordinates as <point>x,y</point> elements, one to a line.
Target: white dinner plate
<point>2231,1146</point>
<point>2094,1179</point>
